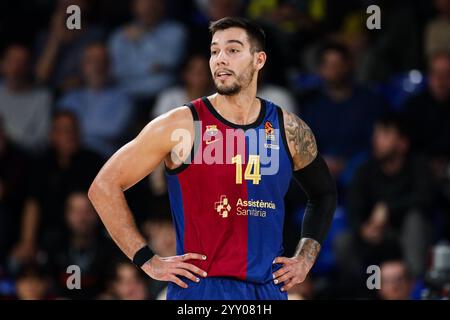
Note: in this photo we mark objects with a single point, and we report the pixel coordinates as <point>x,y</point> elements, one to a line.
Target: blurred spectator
<point>65,166</point>
<point>160,233</point>
<point>104,112</point>
<point>387,204</point>
<point>429,112</point>
<point>196,82</point>
<point>396,281</point>
<point>290,26</point>
<point>129,283</point>
<point>25,109</point>
<point>14,172</point>
<point>146,52</point>
<point>204,12</point>
<point>429,115</point>
<point>341,114</point>
<point>60,49</point>
<point>276,94</point>
<point>437,279</point>
<point>83,244</point>
<point>399,46</point>
<point>32,283</point>
<point>213,10</point>
<point>437,31</point>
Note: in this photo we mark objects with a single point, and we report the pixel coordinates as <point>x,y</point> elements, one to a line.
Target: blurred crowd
<point>378,102</point>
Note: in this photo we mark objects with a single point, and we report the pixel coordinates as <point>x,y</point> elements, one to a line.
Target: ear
<point>260,60</point>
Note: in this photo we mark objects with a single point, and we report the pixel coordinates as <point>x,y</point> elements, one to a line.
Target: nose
<point>221,59</point>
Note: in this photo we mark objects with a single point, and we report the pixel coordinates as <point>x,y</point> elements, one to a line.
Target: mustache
<point>223,70</point>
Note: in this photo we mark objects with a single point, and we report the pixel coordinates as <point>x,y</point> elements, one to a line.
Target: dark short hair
<point>255,33</point>
<point>337,47</point>
<point>395,121</point>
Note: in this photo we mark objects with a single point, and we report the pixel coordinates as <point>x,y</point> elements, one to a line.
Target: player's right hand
<point>169,268</point>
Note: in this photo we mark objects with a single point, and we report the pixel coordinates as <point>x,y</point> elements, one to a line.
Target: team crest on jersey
<point>211,130</point>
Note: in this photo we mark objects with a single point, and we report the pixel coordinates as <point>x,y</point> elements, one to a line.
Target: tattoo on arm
<point>301,139</point>
<point>308,249</point>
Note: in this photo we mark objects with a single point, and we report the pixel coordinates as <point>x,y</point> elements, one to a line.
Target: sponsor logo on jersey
<point>257,208</point>
<point>222,206</point>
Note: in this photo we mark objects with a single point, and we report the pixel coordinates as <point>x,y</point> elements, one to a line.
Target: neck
<point>242,108</point>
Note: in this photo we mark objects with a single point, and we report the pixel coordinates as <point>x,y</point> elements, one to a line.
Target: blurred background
<point>378,102</point>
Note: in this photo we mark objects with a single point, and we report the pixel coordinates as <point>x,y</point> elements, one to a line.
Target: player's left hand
<point>293,272</point>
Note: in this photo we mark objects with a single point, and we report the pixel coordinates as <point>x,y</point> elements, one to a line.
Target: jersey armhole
<point>283,136</point>
<point>195,144</point>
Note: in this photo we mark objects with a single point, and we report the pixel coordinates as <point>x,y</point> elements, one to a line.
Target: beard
<point>230,90</point>
<point>242,81</point>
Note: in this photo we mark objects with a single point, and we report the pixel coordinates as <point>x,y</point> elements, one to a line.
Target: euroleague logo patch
<point>270,136</point>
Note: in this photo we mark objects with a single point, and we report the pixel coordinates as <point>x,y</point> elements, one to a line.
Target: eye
<point>213,52</point>
<point>234,50</point>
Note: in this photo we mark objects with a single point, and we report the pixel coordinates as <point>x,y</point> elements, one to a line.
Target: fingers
<point>284,278</point>
<point>177,281</point>
<point>282,260</point>
<point>186,274</point>
<point>190,256</point>
<point>280,272</point>
<point>192,268</point>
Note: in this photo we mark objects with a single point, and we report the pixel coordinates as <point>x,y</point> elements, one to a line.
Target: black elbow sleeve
<point>316,180</point>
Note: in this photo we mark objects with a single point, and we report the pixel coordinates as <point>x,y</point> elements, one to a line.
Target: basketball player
<point>226,202</point>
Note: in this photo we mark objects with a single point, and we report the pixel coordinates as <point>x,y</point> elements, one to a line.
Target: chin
<point>228,90</point>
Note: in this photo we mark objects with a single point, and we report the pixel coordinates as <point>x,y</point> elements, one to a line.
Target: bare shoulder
<point>180,117</point>
<point>164,125</point>
<point>173,131</point>
<point>301,141</point>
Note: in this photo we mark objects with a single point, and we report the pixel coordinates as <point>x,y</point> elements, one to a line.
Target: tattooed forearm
<point>308,249</point>
<point>301,141</point>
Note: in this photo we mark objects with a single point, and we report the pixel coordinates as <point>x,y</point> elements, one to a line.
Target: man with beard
<point>229,161</point>
<point>387,203</point>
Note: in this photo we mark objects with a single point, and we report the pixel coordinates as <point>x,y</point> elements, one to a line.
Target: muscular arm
<point>312,174</point>
<point>126,167</point>
<point>301,141</point>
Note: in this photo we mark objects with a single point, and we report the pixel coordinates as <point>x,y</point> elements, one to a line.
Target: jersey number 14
<point>252,171</point>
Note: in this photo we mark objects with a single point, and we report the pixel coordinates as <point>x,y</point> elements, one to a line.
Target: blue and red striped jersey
<point>228,202</point>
